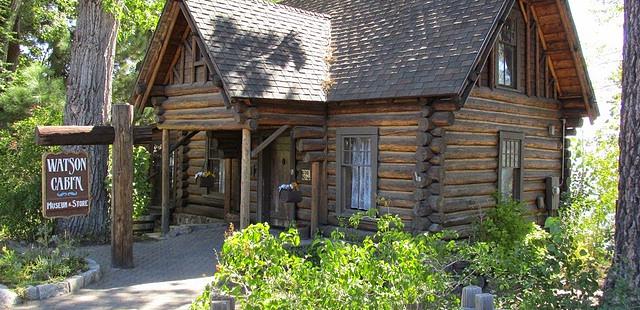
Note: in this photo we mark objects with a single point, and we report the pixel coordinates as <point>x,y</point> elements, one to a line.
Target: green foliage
<point>20,174</point>
<point>536,269</point>
<point>388,270</point>
<point>31,87</point>
<point>202,302</point>
<point>141,184</point>
<point>505,225</point>
<point>39,265</point>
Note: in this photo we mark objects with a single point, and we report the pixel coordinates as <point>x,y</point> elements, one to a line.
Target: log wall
<point>397,122</point>
<point>471,161</point>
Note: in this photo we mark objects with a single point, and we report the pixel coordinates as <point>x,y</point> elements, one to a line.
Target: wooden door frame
<point>263,189</point>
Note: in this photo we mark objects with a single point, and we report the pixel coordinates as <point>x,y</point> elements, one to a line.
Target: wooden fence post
<point>165,182</point>
<point>122,200</point>
<point>245,181</point>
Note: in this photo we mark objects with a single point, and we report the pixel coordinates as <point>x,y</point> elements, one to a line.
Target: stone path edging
<point>44,291</point>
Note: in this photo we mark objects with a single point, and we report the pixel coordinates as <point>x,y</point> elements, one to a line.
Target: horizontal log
<point>471,152</point>
<point>397,144</point>
<point>483,189</point>
<point>438,145</point>
<point>198,101</point>
<point>199,113</point>
<point>462,125</point>
<point>512,108</point>
<point>214,124</point>
<point>184,89</point>
<point>277,119</point>
<point>509,96</point>
<point>314,157</point>
<point>395,185</point>
<point>291,107</point>
<point>308,132</point>
<point>364,108</point>
<point>306,145</point>
<point>387,119</point>
<point>87,135</point>
<point>505,118</point>
<point>470,177</point>
<point>196,209</point>
<point>471,164</point>
<point>396,171</point>
<point>396,157</point>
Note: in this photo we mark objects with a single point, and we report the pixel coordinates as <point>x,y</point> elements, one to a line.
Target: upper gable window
<point>506,55</point>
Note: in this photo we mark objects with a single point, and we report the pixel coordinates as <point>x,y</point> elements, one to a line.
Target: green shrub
<point>141,183</point>
<point>536,268</point>
<point>20,174</point>
<point>39,264</point>
<point>389,270</point>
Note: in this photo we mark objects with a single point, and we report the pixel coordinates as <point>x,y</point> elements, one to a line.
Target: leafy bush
<point>39,264</point>
<point>20,174</point>
<point>388,270</point>
<point>141,183</point>
<point>538,269</point>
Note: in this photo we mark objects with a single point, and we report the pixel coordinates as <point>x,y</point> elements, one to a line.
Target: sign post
<point>65,185</point>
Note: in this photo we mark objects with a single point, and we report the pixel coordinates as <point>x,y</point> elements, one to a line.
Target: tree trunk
<point>11,47</point>
<point>88,103</point>
<point>624,275</point>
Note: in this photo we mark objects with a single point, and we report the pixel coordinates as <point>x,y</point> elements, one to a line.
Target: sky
<point>601,39</point>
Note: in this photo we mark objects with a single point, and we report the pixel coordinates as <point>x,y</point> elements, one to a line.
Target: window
<point>357,150</point>
<point>214,163</point>
<point>506,55</point>
<point>510,175</point>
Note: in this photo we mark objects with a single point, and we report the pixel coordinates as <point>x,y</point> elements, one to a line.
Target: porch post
<point>165,181</point>
<point>122,201</point>
<point>315,196</point>
<point>245,181</point>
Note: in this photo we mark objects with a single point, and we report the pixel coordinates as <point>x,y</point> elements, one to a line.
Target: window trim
<point>348,132</point>
<point>514,77</point>
<point>512,135</point>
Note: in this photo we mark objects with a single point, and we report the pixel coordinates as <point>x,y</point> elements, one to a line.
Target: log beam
<point>268,141</point>
<point>88,135</point>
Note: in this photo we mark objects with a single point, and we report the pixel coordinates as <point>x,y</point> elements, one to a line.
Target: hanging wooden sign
<point>65,184</point>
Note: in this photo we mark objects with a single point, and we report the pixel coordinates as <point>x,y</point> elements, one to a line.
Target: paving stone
<point>75,283</point>
<point>168,274</point>
<point>8,298</point>
<point>31,293</point>
<point>51,290</point>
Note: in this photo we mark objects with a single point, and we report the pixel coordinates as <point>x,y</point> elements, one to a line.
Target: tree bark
<point>11,47</point>
<point>624,275</point>
<point>88,103</point>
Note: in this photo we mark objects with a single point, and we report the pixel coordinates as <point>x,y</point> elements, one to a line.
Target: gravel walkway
<point>169,274</point>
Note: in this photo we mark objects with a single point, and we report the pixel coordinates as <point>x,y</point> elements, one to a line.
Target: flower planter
<point>290,196</point>
<point>206,181</point>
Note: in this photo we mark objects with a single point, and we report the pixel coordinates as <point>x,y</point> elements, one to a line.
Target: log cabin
<point>433,105</point>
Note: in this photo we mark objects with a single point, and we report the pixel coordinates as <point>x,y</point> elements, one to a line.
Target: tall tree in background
<point>88,103</point>
<point>624,275</point>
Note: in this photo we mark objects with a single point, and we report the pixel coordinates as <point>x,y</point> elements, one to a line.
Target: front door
<point>282,214</point>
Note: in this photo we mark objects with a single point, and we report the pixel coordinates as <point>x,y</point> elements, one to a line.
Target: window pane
<point>507,179</point>
<point>357,173</point>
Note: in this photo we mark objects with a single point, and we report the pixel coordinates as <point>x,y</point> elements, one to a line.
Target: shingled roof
<point>265,50</point>
<point>404,48</point>
<point>364,49</point>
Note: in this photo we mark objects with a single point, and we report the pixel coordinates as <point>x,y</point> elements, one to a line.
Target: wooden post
<point>122,200</point>
<point>165,182</point>
<point>315,196</point>
<point>245,181</point>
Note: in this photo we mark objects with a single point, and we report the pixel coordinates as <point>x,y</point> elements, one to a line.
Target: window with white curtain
<point>357,173</point>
